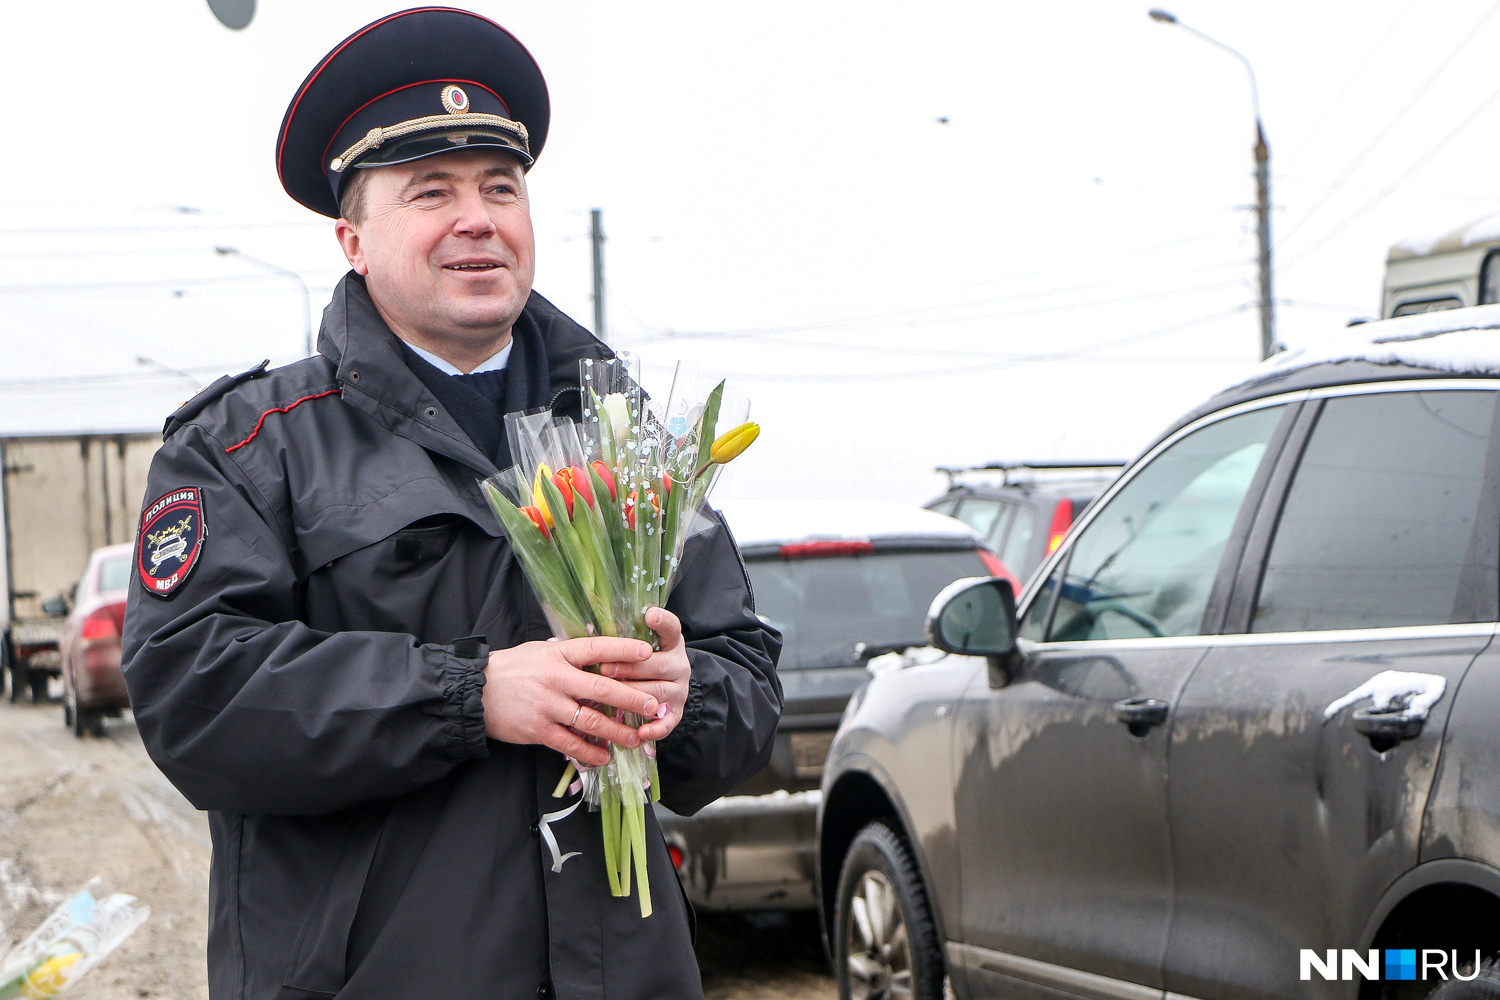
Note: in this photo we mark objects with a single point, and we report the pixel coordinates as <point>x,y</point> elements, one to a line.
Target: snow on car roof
<point>1463,341</point>
<point>1483,230</point>
<point>782,522</point>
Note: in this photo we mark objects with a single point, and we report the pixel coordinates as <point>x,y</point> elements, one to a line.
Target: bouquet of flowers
<point>598,514</point>
<point>75,938</point>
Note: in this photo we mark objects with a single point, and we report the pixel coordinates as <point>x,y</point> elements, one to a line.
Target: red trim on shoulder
<point>420,83</point>
<point>281,146</point>
<point>279,409</point>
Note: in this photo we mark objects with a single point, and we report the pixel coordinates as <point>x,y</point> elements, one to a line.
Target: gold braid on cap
<point>374,138</point>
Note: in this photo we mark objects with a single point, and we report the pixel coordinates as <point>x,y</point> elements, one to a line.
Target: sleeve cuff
<point>692,717</point>
<point>462,682</point>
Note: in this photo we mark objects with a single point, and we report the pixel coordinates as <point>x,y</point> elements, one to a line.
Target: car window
<point>1146,564</point>
<point>825,606</point>
<point>1427,306</point>
<point>944,506</point>
<point>1016,552</point>
<point>114,574</point>
<point>981,514</point>
<point>1033,625</point>
<point>1391,518</point>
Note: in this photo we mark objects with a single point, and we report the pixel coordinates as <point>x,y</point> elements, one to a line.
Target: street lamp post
<point>307,335</point>
<point>1262,187</point>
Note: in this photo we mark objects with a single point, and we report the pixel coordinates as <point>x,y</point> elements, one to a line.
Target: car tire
<point>886,942</point>
<point>38,680</point>
<point>1485,986</point>
<point>67,703</point>
<point>85,721</point>
<point>88,723</point>
<point>18,681</point>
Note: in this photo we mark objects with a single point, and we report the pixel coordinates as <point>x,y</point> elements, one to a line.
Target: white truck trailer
<point>62,495</point>
<point>1449,271</point>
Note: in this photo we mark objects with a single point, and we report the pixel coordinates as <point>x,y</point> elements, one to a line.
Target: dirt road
<point>71,809</point>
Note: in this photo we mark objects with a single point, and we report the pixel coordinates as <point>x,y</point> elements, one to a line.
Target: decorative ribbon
<point>547,820</point>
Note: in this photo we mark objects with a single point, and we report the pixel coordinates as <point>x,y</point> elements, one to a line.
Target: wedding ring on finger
<point>576,712</point>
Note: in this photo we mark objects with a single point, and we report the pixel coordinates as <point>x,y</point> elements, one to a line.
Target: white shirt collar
<point>496,363</point>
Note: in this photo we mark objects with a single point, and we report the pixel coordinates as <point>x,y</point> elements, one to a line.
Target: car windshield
<point>114,574</point>
<point>825,607</point>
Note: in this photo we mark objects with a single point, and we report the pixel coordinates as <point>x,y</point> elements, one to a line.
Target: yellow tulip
<point>49,978</point>
<point>728,446</point>
<point>538,497</point>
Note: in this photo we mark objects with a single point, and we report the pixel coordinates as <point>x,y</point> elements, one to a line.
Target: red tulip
<point>536,518</point>
<point>607,476</point>
<point>630,501</point>
<point>572,480</point>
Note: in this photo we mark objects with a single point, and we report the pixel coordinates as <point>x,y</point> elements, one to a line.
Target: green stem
<point>627,841</point>
<point>564,781</point>
<point>637,811</point>
<point>609,813</point>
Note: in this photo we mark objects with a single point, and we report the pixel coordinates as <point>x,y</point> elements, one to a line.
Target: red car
<point>93,686</point>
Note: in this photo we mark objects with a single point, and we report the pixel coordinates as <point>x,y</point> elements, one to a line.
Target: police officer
<point>331,647</point>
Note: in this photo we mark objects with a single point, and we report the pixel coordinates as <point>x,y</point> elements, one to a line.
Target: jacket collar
<point>375,379</point>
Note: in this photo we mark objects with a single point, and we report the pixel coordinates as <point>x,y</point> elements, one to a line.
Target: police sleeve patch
<point>170,540</point>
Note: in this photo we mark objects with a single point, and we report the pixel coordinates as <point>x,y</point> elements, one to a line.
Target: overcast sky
<point>916,235</point>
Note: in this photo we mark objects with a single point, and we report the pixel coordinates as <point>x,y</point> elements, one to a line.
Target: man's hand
<point>664,676</point>
<point>533,693</point>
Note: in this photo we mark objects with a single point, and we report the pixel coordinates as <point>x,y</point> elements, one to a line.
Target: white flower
<point>617,413</point>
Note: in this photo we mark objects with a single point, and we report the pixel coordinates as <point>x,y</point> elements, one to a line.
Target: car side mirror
<point>58,606</point>
<point>976,617</point>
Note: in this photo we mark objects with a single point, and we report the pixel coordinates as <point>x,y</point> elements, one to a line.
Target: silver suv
<point>1239,739</point>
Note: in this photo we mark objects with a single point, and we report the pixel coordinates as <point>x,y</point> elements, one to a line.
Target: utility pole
<point>1263,228</point>
<point>1262,185</point>
<point>596,236</point>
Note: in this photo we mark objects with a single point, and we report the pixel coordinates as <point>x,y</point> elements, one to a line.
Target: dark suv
<point>1022,510</point>
<point>1239,739</point>
<point>848,583</point>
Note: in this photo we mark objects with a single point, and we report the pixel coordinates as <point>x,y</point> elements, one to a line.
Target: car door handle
<point>1140,714</point>
<point>1385,729</point>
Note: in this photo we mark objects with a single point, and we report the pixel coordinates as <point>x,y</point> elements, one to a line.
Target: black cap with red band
<point>415,84</point>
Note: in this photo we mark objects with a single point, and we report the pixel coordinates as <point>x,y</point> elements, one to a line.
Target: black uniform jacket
<point>303,684</point>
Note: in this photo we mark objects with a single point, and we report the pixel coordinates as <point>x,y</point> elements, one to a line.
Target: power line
<point>1349,84</point>
<point>759,332</point>
<point>1014,362</point>
<point>1304,304</point>
<point>1395,119</point>
<point>1075,264</point>
<point>159,228</point>
<point>145,284</point>
<point>1393,185</point>
<point>110,378</point>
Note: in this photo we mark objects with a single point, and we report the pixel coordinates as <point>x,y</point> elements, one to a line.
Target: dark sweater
<point>478,403</point>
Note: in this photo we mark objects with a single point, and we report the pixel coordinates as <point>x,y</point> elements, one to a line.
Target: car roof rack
<point>1010,472</point>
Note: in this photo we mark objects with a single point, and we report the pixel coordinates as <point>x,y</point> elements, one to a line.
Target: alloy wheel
<point>878,955</point>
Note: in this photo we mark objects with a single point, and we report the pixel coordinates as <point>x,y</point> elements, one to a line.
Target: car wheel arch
<point>858,796</point>
<point>1436,892</point>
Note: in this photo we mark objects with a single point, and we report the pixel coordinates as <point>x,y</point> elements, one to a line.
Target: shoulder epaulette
<point>218,387</point>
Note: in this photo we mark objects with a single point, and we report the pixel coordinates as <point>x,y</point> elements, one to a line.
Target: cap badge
<point>455,101</point>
